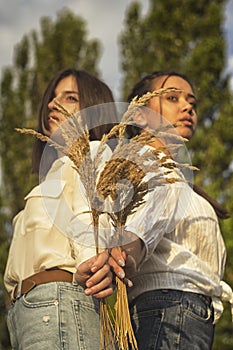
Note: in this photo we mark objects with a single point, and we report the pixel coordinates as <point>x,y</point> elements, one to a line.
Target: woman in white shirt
<point>50,307</point>
<point>177,294</point>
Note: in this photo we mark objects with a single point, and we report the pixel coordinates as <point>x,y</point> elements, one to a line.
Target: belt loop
<point>74,281</point>
<point>18,295</point>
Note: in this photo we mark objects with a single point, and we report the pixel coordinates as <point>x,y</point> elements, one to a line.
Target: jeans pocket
<point>198,309</point>
<point>33,325</point>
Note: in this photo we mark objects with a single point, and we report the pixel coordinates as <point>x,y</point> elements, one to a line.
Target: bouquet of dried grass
<point>123,185</point>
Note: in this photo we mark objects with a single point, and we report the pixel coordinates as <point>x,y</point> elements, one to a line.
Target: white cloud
<point>104,20</point>
<point>230,63</point>
<point>228,27</point>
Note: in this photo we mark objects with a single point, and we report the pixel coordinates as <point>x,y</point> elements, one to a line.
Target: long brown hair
<point>146,85</point>
<point>92,92</point>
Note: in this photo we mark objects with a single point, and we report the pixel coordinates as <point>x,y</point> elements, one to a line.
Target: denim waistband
<point>174,294</point>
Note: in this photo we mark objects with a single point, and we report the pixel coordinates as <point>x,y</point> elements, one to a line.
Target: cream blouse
<point>55,227</point>
<point>41,238</point>
<point>180,231</point>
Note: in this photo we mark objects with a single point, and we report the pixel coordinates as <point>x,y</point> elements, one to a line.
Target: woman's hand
<point>96,273</point>
<point>95,276</point>
<point>124,261</point>
<point>122,264</point>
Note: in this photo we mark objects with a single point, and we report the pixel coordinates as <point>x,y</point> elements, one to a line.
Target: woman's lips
<point>53,118</point>
<point>186,122</point>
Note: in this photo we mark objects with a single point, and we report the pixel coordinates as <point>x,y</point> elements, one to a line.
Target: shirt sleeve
<point>162,210</point>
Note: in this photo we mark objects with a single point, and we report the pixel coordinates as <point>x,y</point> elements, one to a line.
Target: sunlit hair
<point>92,92</point>
<point>147,82</point>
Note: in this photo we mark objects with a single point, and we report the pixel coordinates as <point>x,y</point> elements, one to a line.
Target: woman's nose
<point>51,104</point>
<point>187,107</point>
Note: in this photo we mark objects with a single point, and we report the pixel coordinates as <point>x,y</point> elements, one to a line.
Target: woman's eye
<point>172,98</point>
<point>71,99</point>
<point>194,104</point>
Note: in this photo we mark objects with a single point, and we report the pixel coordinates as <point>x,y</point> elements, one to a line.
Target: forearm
<point>136,249</point>
<point>125,260</point>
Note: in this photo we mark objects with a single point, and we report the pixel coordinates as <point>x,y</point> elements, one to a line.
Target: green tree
<point>59,44</point>
<point>187,36</point>
<point>38,56</point>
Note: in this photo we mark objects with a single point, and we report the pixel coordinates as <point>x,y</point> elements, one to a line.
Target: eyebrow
<point>189,95</point>
<point>192,96</point>
<point>71,92</point>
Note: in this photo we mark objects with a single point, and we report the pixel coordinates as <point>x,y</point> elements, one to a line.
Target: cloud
<point>228,26</point>
<point>104,21</point>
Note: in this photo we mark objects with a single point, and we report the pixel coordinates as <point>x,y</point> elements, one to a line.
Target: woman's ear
<point>139,118</point>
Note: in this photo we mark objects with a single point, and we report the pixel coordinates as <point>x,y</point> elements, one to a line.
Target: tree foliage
<point>37,57</point>
<point>62,43</point>
<point>188,37</point>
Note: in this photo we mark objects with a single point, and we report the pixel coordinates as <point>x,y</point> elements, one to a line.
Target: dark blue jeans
<point>171,319</point>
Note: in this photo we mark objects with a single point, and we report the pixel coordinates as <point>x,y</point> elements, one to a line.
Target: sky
<point>104,19</point>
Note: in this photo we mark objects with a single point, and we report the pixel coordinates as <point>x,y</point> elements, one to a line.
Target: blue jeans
<point>171,319</point>
<point>52,316</point>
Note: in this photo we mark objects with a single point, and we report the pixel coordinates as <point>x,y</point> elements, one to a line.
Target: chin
<point>53,129</point>
<point>187,133</point>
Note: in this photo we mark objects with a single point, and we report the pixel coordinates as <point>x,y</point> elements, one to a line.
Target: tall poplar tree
<point>37,57</point>
<point>59,44</point>
<point>187,36</point>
